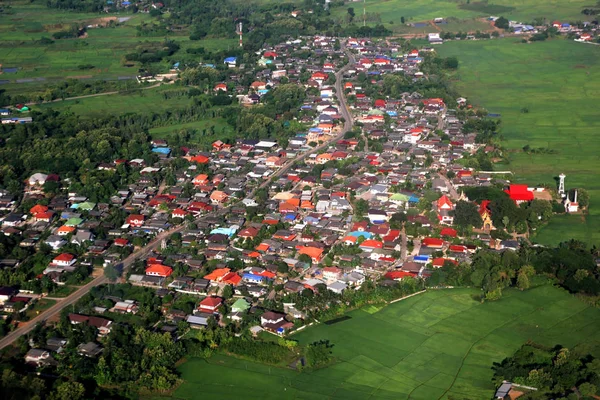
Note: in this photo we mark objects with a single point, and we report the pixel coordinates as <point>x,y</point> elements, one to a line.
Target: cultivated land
<point>426,10</point>
<point>104,48</point>
<point>138,101</point>
<point>434,345</point>
<point>557,81</point>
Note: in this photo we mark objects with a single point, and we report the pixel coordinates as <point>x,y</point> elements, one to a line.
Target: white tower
<point>240,32</point>
<point>561,185</point>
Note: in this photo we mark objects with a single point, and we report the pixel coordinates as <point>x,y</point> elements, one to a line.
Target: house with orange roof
<point>350,240</point>
<point>44,216</point>
<point>444,203</point>
<point>285,207</point>
<point>218,145</point>
<point>274,161</point>
<point>307,205</point>
<point>315,253</point>
<point>160,270</point>
<point>323,158</point>
<point>220,87</point>
<point>65,230</point>
<point>38,208</point>
<point>326,127</point>
<point>285,235</point>
<point>371,244</point>
<point>264,247</point>
<point>200,179</point>
<point>200,159</point>
<point>217,275</point>
<point>232,279</point>
<point>218,196</point>
<point>258,85</point>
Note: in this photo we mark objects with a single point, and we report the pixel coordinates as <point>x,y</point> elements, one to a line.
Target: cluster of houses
<point>7,117</point>
<point>325,221</point>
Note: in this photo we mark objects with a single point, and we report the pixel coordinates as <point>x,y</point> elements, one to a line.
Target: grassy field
<point>557,81</point>
<point>141,101</point>
<point>426,10</point>
<point>431,346</point>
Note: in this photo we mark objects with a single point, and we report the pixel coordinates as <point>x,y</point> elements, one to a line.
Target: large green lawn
<point>431,346</point>
<point>558,82</point>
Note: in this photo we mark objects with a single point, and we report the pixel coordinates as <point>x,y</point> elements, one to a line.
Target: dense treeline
<point>572,265</point>
<point>555,372</point>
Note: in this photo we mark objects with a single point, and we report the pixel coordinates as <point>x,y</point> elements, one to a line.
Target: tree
<point>583,198</point>
<point>360,208</point>
<point>588,389</point>
<point>451,63</point>
<point>351,13</point>
<point>318,353</point>
<point>305,258</point>
<point>493,295</point>
<point>111,273</point>
<point>69,391</point>
<point>502,23</point>
<point>523,280</point>
<point>227,292</point>
<point>466,214</point>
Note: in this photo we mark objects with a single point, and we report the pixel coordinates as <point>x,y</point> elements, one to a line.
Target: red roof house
<point>135,220</point>
<point>519,193</point>
<point>449,232</point>
<point>210,304</point>
<point>399,275</point>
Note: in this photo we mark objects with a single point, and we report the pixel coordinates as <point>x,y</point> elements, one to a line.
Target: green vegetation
<point>556,81</point>
<point>555,372</point>
<point>395,13</point>
<point>139,101</point>
<point>441,343</point>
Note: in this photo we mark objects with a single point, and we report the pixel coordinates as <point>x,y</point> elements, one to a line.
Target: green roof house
<point>74,222</point>
<point>240,305</point>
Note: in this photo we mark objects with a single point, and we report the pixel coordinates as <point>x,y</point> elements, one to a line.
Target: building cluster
<point>324,211</point>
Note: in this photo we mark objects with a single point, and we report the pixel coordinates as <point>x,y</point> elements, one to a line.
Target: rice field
<point>557,82</point>
<point>437,345</point>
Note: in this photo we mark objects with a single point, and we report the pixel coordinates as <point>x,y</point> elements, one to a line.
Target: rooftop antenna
<point>561,185</point>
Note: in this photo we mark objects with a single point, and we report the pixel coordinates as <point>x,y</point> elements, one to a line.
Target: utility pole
<point>364,12</point>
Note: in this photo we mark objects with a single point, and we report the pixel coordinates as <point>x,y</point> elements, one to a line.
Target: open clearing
<point>431,346</point>
<point>558,82</point>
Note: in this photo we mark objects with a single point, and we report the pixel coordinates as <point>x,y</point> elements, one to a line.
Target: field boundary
<point>406,297</point>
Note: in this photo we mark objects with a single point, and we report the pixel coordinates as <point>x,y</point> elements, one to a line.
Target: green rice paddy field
<point>437,345</point>
<point>427,10</point>
<point>558,82</point>
<point>24,24</point>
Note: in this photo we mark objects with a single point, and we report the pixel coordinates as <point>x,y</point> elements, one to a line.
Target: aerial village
<point>366,193</point>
